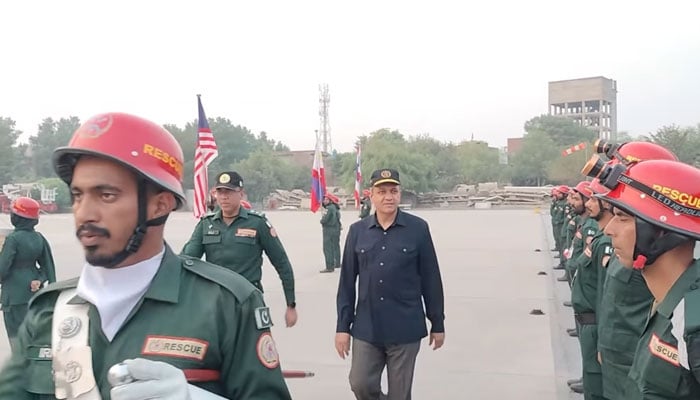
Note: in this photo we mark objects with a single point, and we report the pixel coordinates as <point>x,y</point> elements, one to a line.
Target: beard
<point>91,255</point>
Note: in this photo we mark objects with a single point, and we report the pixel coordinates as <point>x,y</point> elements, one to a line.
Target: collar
<point>678,290</point>
<point>242,212</point>
<point>400,220</point>
<point>165,285</point>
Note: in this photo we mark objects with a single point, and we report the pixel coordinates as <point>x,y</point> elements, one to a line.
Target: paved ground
<point>494,348</point>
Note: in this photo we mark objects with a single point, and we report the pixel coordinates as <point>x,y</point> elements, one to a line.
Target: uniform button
<point>383,247</point>
<point>404,250</point>
<point>381,264</point>
<point>384,233</point>
<point>362,250</point>
<point>381,281</point>
<point>381,298</point>
<point>189,263</point>
<point>693,286</point>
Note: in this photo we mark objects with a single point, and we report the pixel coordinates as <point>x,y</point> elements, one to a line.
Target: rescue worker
<point>168,318</point>
<point>26,265</point>
<point>655,229</point>
<point>330,221</point>
<point>393,256</point>
<point>586,286</point>
<point>558,217</point>
<point>365,204</point>
<point>235,237</point>
<point>625,299</point>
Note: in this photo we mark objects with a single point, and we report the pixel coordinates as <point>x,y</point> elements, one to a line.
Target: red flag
<point>204,154</point>
<point>318,180</point>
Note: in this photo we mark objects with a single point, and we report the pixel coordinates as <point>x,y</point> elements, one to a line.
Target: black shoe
<point>566,303</point>
<point>573,333</point>
<point>577,387</point>
<point>558,266</point>
<point>323,271</point>
<point>573,381</point>
<point>562,278</point>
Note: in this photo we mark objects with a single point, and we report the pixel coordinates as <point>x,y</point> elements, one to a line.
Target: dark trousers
<point>592,375</point>
<point>368,362</point>
<point>331,247</point>
<point>13,316</point>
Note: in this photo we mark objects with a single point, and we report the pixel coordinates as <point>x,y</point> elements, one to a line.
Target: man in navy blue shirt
<point>393,255</point>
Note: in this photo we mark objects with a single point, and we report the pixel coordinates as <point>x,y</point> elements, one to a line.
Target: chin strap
<point>142,225</point>
<point>651,242</point>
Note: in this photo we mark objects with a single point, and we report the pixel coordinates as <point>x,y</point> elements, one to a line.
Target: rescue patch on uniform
<point>171,346</point>
<point>663,350</point>
<point>589,239</point>
<point>590,232</point>
<point>267,351</point>
<point>273,232</point>
<point>246,232</point>
<point>262,318</point>
<point>39,353</point>
<point>579,235</point>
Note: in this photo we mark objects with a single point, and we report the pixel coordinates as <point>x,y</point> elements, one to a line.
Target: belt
<point>585,318</point>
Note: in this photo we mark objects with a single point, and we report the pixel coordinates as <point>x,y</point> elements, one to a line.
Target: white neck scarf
<point>116,291</point>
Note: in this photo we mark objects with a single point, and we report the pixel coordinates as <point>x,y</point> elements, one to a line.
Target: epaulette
<point>55,287</point>
<point>692,305</point>
<point>257,214</point>
<point>231,281</point>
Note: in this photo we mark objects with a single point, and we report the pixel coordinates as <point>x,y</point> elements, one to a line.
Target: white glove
<point>152,380</point>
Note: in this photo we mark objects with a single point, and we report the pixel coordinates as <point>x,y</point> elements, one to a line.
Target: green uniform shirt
<point>239,247</point>
<point>365,207</point>
<point>587,285</point>
<point>667,361</point>
<point>194,315</point>
<point>331,217</point>
<point>624,308</point>
<point>25,257</point>
<point>582,241</point>
<point>569,229</point>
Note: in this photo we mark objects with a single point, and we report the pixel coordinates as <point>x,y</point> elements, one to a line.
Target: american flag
<point>358,177</point>
<point>204,154</point>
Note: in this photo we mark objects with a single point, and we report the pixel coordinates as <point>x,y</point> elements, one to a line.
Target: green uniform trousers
<point>617,385</point>
<point>592,375</point>
<point>331,248</point>
<point>13,316</point>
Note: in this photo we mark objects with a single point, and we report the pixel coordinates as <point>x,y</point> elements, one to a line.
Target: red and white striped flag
<point>358,177</point>
<point>204,154</point>
<point>573,149</point>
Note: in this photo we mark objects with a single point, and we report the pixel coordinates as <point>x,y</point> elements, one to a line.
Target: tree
<point>531,163</point>
<point>564,132</point>
<point>478,162</point>
<point>264,172</point>
<point>8,156</point>
<point>50,135</point>
<point>684,142</point>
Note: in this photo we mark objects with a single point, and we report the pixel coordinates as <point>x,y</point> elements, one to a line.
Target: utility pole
<point>324,100</point>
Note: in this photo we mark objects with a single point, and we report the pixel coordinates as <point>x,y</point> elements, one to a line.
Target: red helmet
<point>333,198</point>
<point>25,207</point>
<point>584,188</point>
<point>661,192</point>
<point>625,153</point>
<point>366,193</point>
<point>136,143</point>
<point>563,189</point>
<point>246,205</point>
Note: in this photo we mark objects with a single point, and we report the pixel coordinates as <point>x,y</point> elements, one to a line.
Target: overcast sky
<point>444,68</point>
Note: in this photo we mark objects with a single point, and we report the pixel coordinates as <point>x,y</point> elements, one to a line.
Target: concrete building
<point>591,102</point>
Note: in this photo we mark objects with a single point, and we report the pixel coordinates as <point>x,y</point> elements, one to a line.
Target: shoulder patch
<point>234,283</point>
<point>55,287</point>
<point>262,318</point>
<point>256,213</point>
<point>267,351</point>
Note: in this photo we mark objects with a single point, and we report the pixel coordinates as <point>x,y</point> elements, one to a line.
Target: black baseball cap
<point>229,180</point>
<point>386,175</point>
